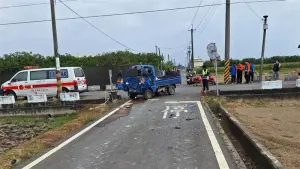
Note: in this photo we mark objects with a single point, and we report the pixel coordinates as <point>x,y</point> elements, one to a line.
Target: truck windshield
<point>138,71</point>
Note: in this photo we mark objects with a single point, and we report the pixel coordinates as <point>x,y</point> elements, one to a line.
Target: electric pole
<point>55,44</point>
<point>168,57</point>
<point>156,49</point>
<point>189,56</point>
<point>265,27</point>
<point>192,42</point>
<point>159,51</point>
<point>227,43</point>
<point>162,61</point>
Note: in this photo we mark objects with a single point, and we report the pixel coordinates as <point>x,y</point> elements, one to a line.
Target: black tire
<point>132,96</point>
<point>65,90</point>
<point>148,94</point>
<point>171,90</point>
<point>11,93</point>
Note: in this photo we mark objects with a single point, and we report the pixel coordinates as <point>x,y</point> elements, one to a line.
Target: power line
<point>196,13</point>
<point>28,5</point>
<point>96,27</point>
<point>253,10</point>
<point>131,13</point>
<point>170,48</point>
<point>210,17</point>
<point>205,15</point>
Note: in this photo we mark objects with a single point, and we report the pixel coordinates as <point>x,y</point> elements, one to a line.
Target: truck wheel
<point>171,90</point>
<point>132,96</point>
<point>148,94</point>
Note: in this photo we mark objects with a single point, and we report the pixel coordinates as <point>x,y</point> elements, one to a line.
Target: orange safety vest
<point>247,66</point>
<point>241,67</point>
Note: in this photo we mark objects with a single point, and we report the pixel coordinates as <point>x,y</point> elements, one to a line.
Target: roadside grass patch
<point>56,128</point>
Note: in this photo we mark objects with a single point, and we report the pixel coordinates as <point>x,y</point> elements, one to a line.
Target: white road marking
<point>153,100</point>
<point>217,149</point>
<point>166,112</point>
<point>215,145</point>
<point>177,114</point>
<point>43,157</point>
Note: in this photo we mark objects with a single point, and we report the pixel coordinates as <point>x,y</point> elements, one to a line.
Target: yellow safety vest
<point>204,72</point>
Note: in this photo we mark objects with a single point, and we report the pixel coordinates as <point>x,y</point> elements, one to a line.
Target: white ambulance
<point>43,81</point>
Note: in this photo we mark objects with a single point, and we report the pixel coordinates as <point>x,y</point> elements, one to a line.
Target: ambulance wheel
<point>148,94</point>
<point>11,93</point>
<point>65,90</point>
<point>171,90</point>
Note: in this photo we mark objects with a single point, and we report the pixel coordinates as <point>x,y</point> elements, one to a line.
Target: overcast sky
<point>143,31</point>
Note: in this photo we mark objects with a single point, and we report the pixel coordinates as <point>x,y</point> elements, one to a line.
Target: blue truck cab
<point>142,80</point>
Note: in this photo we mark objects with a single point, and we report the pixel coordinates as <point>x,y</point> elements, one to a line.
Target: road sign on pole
<point>215,57</point>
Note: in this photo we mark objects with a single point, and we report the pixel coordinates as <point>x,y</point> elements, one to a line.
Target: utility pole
<point>159,51</point>
<point>189,56</point>
<point>156,49</point>
<point>162,61</point>
<point>187,60</point>
<point>227,44</point>
<point>168,57</point>
<point>55,44</point>
<point>192,42</point>
<point>265,27</point>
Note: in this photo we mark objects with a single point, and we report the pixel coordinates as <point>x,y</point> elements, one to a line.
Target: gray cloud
<point>142,32</point>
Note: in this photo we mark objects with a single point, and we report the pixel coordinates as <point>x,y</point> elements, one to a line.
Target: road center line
<point>215,145</point>
<point>43,157</point>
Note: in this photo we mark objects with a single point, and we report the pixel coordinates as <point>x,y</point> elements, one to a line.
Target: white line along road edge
<point>215,145</point>
<point>43,157</point>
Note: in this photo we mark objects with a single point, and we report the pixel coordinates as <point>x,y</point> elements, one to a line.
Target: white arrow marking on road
<point>166,112</point>
<point>211,135</point>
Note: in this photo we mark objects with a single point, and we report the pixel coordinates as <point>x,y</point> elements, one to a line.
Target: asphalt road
<point>160,133</point>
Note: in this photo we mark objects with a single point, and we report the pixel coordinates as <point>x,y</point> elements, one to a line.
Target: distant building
<point>198,62</point>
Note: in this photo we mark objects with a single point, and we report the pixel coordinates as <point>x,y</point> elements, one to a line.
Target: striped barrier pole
<point>226,71</point>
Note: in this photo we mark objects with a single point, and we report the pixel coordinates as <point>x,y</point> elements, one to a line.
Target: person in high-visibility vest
<point>247,72</point>
<point>205,77</point>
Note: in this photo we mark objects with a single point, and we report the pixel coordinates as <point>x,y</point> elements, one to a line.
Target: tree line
<point>281,59</point>
<point>16,61</point>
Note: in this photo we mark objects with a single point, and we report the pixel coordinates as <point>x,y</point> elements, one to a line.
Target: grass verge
<point>60,128</point>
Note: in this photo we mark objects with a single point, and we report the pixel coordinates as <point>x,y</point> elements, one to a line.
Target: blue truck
<point>142,80</point>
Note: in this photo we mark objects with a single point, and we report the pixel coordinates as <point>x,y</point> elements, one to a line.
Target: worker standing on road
<point>240,73</point>
<point>276,68</point>
<point>251,71</point>
<point>233,73</point>
<point>247,72</point>
<point>205,76</point>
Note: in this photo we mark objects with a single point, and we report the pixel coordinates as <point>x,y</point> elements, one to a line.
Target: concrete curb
<point>269,95</point>
<point>256,151</point>
<point>233,151</point>
<point>260,91</point>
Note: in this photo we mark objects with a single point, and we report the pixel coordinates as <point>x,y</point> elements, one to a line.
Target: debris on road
<point>172,116</point>
<point>177,127</point>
